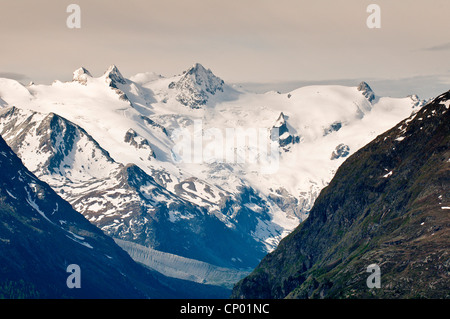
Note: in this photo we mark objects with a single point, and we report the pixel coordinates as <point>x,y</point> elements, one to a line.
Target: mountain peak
<point>196,85</point>
<point>197,68</point>
<point>81,75</point>
<point>204,78</point>
<point>281,120</point>
<point>114,76</point>
<point>366,91</point>
<point>285,138</point>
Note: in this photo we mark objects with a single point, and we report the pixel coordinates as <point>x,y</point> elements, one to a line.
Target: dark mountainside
<point>388,204</point>
<point>41,234</point>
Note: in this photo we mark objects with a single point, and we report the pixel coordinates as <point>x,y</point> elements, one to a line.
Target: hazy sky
<point>321,41</point>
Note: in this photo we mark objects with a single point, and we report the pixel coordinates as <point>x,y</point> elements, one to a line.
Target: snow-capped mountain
<point>188,164</point>
<point>196,85</point>
<point>41,235</point>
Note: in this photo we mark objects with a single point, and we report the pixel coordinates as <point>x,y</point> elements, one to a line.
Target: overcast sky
<point>263,41</point>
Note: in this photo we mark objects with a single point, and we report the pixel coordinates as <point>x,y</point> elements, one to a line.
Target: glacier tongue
<point>183,268</point>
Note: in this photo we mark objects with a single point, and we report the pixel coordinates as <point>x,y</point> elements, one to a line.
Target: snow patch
<point>11,194</point>
<point>446,104</point>
<point>388,174</point>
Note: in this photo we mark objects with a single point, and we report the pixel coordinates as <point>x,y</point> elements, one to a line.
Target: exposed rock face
<point>196,86</point>
<point>334,127</point>
<point>387,205</point>
<point>113,76</point>
<point>366,91</point>
<point>281,132</point>
<point>341,150</point>
<point>140,143</point>
<point>115,79</point>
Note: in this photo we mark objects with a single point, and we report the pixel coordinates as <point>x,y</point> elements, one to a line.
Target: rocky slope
<point>388,204</point>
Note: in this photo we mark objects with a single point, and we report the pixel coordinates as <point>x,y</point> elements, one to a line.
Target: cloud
<point>425,86</point>
<point>14,76</point>
<point>440,47</point>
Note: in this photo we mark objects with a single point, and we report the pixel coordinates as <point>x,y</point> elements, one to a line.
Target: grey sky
<point>239,40</point>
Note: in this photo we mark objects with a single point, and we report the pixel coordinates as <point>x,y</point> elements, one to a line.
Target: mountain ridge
<point>385,206</point>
